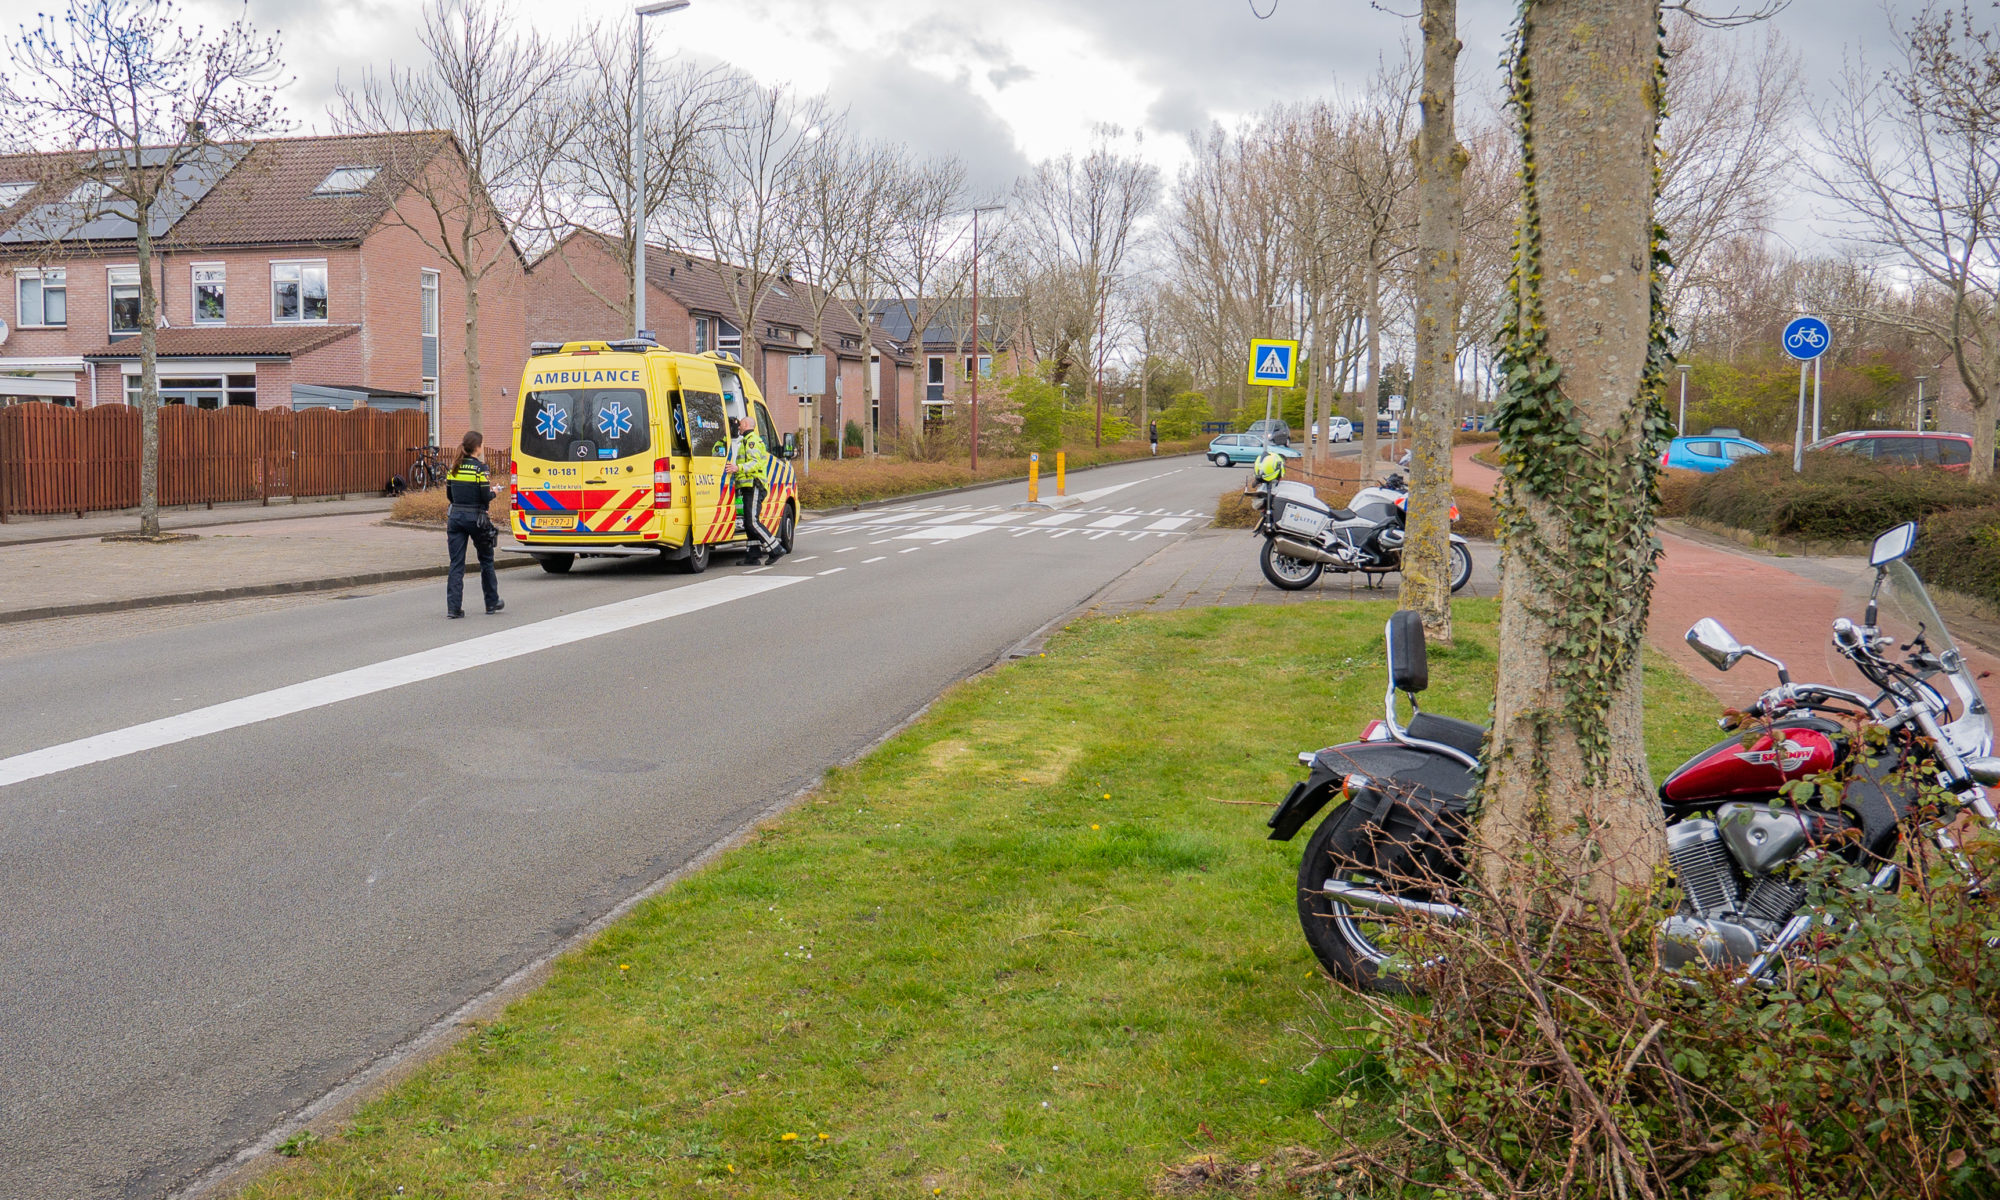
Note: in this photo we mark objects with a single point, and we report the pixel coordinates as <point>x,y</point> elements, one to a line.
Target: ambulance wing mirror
<point>790,448</point>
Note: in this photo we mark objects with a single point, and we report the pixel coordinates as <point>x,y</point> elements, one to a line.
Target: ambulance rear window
<point>585,424</point>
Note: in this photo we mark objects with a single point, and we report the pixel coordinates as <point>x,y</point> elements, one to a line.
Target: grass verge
<point>1034,945</point>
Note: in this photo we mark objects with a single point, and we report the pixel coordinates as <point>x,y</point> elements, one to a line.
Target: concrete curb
<point>246,591</point>
<point>865,505</point>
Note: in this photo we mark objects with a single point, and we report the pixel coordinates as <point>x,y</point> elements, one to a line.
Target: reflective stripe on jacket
<point>753,459</point>
<point>467,484</point>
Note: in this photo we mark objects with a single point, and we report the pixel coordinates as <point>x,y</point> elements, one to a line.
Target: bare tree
<point>1379,180</point>
<point>845,209</point>
<point>484,84</point>
<point>922,261</point>
<point>686,106</point>
<point>1914,159</point>
<point>742,206</point>
<point>1580,426</point>
<point>1079,220</point>
<point>145,106</point>
<point>1434,382</point>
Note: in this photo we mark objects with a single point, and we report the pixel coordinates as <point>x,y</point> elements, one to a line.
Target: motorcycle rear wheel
<point>1287,572</point>
<point>1350,943</point>
<point>1461,566</point>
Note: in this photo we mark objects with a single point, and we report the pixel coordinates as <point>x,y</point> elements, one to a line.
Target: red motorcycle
<point>1390,851</point>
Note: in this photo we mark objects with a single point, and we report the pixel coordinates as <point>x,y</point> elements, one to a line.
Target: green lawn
<point>1028,947</point>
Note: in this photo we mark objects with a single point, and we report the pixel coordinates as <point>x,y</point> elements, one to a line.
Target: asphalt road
<point>241,860</point>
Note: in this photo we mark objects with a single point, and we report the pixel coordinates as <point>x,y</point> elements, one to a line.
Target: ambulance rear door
<point>711,496</point>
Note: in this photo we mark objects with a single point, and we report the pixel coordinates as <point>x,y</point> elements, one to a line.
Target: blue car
<point>1708,452</point>
<point>1241,449</point>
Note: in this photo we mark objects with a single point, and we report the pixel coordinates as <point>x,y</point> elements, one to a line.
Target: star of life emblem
<point>615,420</point>
<point>552,422</point>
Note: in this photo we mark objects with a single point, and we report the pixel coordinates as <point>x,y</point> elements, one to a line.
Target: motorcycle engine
<point>1721,921</point>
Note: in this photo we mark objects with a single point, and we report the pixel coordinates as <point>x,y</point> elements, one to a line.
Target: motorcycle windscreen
<point>700,417</point>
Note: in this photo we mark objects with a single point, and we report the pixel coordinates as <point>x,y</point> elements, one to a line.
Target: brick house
<point>289,275</point>
<point>943,364</point>
<point>581,291</point>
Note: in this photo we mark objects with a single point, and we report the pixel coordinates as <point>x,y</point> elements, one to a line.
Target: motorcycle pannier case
<point>1414,834</point>
<point>1302,520</point>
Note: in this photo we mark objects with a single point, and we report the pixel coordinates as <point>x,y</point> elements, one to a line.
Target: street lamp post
<point>1921,380</point>
<point>1681,429</point>
<point>639,159</point>
<point>975,328</point>
<point>1102,302</point>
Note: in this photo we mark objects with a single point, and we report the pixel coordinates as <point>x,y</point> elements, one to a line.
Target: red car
<point>1903,447</point>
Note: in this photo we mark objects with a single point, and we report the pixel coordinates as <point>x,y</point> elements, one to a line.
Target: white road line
<point>807,558</point>
<point>758,570</point>
<point>876,559</point>
<point>944,533</point>
<point>382,676</point>
<point>845,549</point>
<point>1024,533</point>
<point>911,550</point>
<point>1059,519</point>
<point>833,571</point>
<point>883,542</point>
<point>1061,533</point>
<point>1002,519</point>
<point>1112,522</point>
<point>1168,523</point>
<point>939,519</point>
<point>1096,536</point>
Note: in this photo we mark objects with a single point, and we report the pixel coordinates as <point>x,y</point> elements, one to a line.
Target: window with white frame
<point>701,345</point>
<point>123,289</point>
<point>210,294</point>
<point>985,366</point>
<point>41,298</point>
<point>298,291</point>
<point>729,339</point>
<point>428,287</point>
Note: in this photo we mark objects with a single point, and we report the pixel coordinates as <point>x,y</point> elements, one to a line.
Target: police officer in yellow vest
<point>470,494</point>
<point>753,465</point>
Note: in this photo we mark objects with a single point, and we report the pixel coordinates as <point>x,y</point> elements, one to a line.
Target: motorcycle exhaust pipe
<point>1305,553</point>
<point>1355,896</point>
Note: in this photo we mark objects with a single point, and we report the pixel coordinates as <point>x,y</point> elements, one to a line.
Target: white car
<point>1340,429</point>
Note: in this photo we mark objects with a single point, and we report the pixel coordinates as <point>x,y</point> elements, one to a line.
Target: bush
<point>1960,549</point>
<point>1475,514</point>
<point>1838,498</point>
<point>1233,510</point>
<point>1677,491</point>
<point>1184,417</point>
<point>1555,1058</point>
<point>429,508</point>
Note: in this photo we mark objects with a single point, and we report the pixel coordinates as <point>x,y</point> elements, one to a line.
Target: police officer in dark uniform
<point>470,492</point>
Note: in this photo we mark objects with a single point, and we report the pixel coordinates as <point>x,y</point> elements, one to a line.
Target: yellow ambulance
<point>621,449</point>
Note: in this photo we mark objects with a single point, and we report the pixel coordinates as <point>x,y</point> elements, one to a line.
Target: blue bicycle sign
<point>1807,338</point>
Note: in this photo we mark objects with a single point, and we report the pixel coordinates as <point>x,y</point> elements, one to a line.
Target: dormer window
<point>346,181</point>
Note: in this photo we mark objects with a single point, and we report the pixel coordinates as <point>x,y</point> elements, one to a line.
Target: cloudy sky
<point>1007,82</point>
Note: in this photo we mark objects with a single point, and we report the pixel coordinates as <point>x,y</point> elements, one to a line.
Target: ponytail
<point>468,447</point>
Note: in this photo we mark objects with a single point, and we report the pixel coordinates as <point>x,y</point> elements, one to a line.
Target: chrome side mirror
<point>1716,644</point>
<point>1893,544</point>
<point>1984,771</point>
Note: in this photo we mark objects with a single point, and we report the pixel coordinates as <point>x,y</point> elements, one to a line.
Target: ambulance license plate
<point>551,524</point>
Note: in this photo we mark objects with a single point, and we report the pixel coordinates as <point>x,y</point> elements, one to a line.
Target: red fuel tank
<point>1759,766</point>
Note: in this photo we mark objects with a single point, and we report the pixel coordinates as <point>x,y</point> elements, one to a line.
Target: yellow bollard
<point>1062,482</point>
<point>1034,477</point>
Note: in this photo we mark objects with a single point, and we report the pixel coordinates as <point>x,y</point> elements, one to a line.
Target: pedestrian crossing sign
<point>1274,362</point>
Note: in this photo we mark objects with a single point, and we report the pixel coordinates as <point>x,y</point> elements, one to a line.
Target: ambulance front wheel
<point>697,558</point>
<point>788,530</point>
<point>556,564</point>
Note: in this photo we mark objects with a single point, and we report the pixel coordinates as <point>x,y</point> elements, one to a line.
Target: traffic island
<point>1035,944</point>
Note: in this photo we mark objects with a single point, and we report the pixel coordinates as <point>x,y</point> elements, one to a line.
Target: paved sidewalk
<point>263,557</point>
<point>1783,606</point>
<point>21,531</point>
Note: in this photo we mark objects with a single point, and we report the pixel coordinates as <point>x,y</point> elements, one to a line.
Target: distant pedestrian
<point>471,495</point>
<point>1153,435</point>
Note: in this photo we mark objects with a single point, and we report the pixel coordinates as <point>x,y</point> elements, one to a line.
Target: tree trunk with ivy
<point>1433,403</point>
<point>1581,423</point>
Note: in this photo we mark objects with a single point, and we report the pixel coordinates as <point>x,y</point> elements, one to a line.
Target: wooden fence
<point>60,460</point>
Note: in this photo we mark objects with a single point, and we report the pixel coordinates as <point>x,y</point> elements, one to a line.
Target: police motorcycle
<point>1392,847</point>
<point>1304,537</point>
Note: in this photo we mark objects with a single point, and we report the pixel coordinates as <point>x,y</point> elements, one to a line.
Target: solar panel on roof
<point>91,213</point>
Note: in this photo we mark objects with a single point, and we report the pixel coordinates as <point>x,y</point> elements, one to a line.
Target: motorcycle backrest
<point>1409,666</point>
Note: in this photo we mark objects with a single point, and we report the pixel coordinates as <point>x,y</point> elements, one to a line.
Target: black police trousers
<point>473,524</point>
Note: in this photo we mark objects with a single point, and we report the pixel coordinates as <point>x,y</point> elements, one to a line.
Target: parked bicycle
<point>429,469</point>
